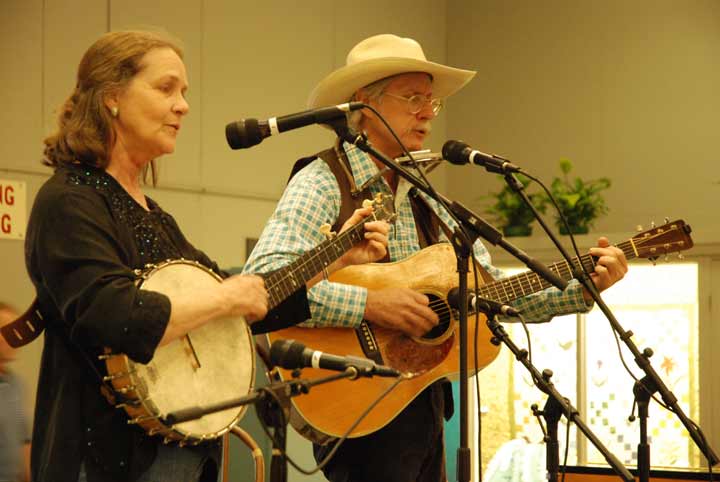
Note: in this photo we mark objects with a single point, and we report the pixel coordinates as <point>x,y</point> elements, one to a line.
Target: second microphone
<point>292,354</point>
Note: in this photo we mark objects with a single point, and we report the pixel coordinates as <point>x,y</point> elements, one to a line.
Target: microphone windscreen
<point>453,298</point>
<point>243,133</point>
<point>287,353</point>
<point>454,152</point>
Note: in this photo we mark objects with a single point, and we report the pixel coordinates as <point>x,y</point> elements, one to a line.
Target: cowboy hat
<point>379,57</point>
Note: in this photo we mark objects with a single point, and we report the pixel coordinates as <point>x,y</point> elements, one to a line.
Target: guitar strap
<point>28,326</point>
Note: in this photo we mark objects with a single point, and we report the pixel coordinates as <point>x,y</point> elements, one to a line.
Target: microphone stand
<point>463,252</point>
<point>555,405</point>
<point>651,382</point>
<point>462,242</point>
<point>272,405</point>
<point>643,390</point>
<point>551,412</point>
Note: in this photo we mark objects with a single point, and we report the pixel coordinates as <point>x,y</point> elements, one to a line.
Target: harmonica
<point>423,158</point>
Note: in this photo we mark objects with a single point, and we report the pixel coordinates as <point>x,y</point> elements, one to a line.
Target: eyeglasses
<point>417,102</point>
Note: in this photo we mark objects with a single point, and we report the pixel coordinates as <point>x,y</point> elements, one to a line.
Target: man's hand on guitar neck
<point>373,248</point>
<point>610,266</point>
<point>400,309</point>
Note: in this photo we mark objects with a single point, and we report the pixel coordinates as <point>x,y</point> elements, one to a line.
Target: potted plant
<point>580,201</point>
<point>511,213</point>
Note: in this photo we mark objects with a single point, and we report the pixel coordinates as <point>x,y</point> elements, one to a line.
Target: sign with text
<point>13,215</point>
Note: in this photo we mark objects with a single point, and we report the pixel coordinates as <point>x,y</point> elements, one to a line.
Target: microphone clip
<point>341,128</point>
<point>484,305</point>
<point>492,308</point>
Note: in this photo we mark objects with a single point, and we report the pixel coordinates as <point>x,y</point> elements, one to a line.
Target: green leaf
<point>565,166</point>
<point>579,200</point>
<point>572,199</point>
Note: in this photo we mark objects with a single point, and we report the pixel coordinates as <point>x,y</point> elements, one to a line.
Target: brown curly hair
<point>85,134</point>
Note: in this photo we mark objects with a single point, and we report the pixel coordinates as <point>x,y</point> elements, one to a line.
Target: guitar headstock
<point>383,207</point>
<point>669,238</point>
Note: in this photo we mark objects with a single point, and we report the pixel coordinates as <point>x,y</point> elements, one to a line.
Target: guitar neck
<point>285,281</point>
<point>526,283</point>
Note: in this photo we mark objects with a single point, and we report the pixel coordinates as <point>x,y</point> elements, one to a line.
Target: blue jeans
<point>174,464</point>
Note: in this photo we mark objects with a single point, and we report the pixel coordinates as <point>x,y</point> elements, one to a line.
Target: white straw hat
<point>379,57</point>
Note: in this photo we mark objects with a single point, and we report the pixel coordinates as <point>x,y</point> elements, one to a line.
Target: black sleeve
<point>292,311</point>
<point>81,262</point>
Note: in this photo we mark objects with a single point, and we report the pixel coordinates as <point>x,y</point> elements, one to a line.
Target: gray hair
<point>373,92</point>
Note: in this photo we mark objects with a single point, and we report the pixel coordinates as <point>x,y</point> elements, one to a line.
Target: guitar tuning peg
<point>326,230</point>
<point>639,228</point>
<point>667,220</point>
<point>652,224</point>
<point>379,198</point>
<point>367,203</point>
<point>681,256</point>
<point>653,260</point>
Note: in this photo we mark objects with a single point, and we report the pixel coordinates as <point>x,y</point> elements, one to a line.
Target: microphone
<point>457,152</point>
<point>249,132</point>
<point>481,304</point>
<point>292,354</point>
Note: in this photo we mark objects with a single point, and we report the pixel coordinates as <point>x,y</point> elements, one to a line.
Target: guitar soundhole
<point>439,306</point>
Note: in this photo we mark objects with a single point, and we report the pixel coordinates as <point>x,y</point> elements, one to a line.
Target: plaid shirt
<point>312,198</point>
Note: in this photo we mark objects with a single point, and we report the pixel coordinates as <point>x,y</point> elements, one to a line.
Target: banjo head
<point>212,364</point>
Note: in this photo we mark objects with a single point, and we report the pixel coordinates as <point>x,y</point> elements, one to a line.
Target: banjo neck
<point>285,281</point>
<point>282,283</point>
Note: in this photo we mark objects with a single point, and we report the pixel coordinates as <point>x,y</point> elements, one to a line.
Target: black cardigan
<point>85,237</point>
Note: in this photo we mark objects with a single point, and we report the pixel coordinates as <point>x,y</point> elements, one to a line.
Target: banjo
<point>213,363</point>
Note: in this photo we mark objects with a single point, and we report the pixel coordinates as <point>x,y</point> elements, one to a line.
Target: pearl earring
<point>114,111</point>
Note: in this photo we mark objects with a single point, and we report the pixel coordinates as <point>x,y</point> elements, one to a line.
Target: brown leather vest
<point>426,221</point>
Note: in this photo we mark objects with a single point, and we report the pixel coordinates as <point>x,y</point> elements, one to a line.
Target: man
<point>392,75</point>
<point>14,430</point>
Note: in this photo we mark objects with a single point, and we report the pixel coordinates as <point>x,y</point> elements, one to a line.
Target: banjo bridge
<point>191,353</point>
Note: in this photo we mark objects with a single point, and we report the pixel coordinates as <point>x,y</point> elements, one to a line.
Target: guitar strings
<point>503,290</point>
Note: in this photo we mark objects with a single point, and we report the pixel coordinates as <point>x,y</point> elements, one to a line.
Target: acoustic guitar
<point>329,410</point>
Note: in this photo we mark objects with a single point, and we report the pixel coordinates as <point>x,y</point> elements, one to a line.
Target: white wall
<point>623,89</point>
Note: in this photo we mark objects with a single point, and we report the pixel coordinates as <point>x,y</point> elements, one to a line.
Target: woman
<point>91,226</point>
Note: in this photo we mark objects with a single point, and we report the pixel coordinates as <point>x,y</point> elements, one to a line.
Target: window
<point>659,304</point>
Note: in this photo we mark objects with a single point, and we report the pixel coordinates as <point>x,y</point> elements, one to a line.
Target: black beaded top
<point>86,237</point>
<point>149,228</point>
